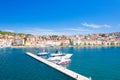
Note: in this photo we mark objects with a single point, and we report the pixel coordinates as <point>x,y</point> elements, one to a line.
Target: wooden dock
<point>68,72</point>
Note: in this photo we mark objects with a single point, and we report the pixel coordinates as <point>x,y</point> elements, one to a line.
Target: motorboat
<point>65,56</point>
<point>54,58</point>
<point>57,53</point>
<point>64,61</point>
<point>42,53</point>
<point>60,58</point>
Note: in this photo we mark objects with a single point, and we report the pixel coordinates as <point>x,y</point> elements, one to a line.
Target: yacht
<point>64,61</point>
<point>42,53</point>
<point>57,53</point>
<point>59,56</point>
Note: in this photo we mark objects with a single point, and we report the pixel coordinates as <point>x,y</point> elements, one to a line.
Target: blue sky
<point>60,17</point>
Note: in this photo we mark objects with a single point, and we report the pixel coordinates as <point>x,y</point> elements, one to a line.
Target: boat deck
<point>59,68</point>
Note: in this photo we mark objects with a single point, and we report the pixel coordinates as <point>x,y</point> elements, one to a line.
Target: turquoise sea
<point>99,63</point>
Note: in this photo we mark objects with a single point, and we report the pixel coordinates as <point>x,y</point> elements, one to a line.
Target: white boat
<point>60,58</point>
<point>65,56</point>
<point>57,54</point>
<point>42,53</point>
<point>54,58</point>
<point>64,61</point>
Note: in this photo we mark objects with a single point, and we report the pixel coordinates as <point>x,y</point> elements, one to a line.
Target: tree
<point>70,41</point>
<point>85,43</point>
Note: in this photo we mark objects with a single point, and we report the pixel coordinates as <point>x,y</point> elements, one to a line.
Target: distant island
<point>10,39</point>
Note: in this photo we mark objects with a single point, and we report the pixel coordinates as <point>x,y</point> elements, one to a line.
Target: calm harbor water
<point>99,63</point>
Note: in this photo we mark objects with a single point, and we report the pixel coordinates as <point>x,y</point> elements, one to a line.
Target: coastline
<point>65,46</point>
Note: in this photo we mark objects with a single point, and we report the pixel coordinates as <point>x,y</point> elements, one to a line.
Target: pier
<point>68,72</point>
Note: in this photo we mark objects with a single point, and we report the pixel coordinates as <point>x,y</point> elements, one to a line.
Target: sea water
<point>101,63</point>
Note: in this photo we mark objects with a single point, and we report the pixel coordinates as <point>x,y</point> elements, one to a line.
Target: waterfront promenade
<point>68,72</point>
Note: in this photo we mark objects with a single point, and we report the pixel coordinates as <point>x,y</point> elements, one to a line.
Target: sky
<point>60,17</point>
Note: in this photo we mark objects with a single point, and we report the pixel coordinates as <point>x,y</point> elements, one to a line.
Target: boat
<point>64,61</point>
<point>67,56</point>
<point>59,57</point>
<point>54,58</point>
<point>42,53</point>
<point>57,53</point>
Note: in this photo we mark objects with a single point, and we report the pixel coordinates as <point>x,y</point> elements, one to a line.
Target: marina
<point>60,40</point>
<point>67,72</point>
